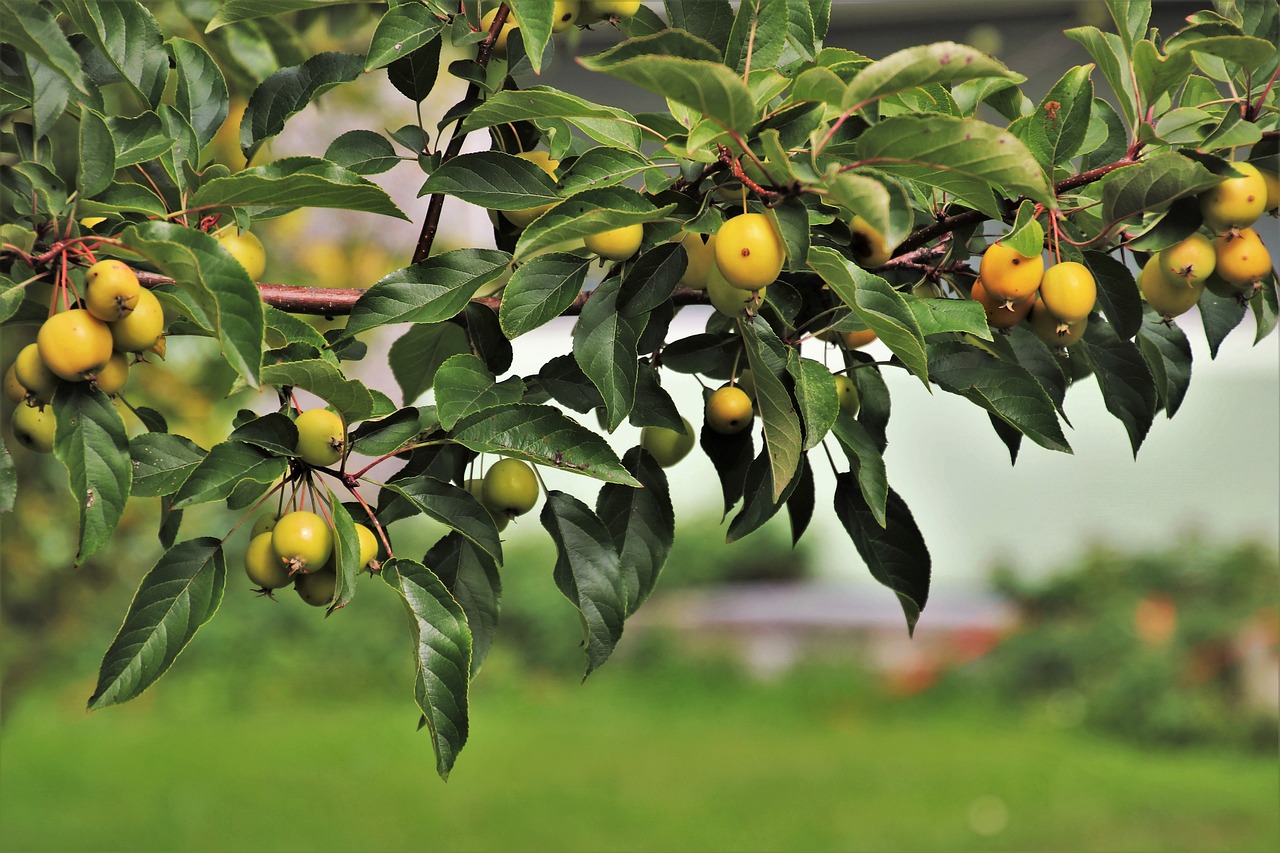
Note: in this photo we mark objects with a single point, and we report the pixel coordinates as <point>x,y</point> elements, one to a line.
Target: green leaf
<point>1006,390</point>
<point>588,572</point>
<point>434,290</point>
<point>732,456</point>
<point>587,213</point>
<point>97,152</point>
<point>1109,51</point>
<point>472,578</point>
<point>402,30</point>
<point>932,149</point>
<point>465,386</point>
<point>877,305</point>
<point>604,345</point>
<point>800,504</point>
<point>138,138</point>
<point>226,466</point>
<point>944,62</point>
<point>90,441</point>
<point>1128,388</point>
<point>608,125</point>
<point>867,464</point>
<point>442,654</point>
<point>1150,186</point>
<point>760,32</point>
<point>884,205</point>
<point>602,167</point>
<point>452,506</point>
<point>895,553</point>
<point>816,396</point>
<point>684,69</point>
<point>201,93</point>
<point>417,354</point>
<point>1026,236</point>
<point>1168,355</point>
<point>32,29</point>
<point>350,397</point>
<point>363,152</point>
<point>178,596</point>
<point>709,20</point>
<point>941,316</point>
<point>289,90</point>
<point>543,435</point>
<point>128,37</point>
<point>296,182</point>
<point>540,290</point>
<point>233,11</point>
<point>1056,130</point>
<point>1132,18</point>
<point>414,76</point>
<point>781,426</point>
<point>275,433</point>
<point>346,554</point>
<point>493,180</point>
<point>1118,294</point>
<point>161,462</point>
<point>205,271</point>
<point>651,279</point>
<point>1219,315</point>
<point>642,524</point>
<point>388,434</point>
<point>8,480</point>
<point>535,27</point>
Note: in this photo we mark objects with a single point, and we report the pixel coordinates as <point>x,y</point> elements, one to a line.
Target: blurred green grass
<point>646,756</point>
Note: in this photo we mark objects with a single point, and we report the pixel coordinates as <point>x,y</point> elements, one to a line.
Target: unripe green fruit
<point>32,373</point>
<point>510,487</point>
<point>749,251</point>
<point>476,487</point>
<point>262,524</point>
<point>317,588</point>
<point>847,393</point>
<point>303,541</point>
<point>263,566</point>
<point>75,345</point>
<point>702,257</point>
<point>729,300</point>
<point>617,244</point>
<point>13,389</point>
<point>666,445</point>
<point>247,249</point>
<point>112,290</point>
<point>728,410</point>
<point>143,327</point>
<point>368,545</point>
<point>322,437</point>
<point>34,427</point>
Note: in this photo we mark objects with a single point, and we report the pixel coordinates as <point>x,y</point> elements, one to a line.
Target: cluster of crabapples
<point>95,343</point>
<point>1230,261</point>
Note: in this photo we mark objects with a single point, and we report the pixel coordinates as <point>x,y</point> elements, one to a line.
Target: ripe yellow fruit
<point>868,245</point>
<point>322,437</point>
<point>33,375</point>
<point>1051,330</point>
<point>1068,291</point>
<point>112,378</point>
<point>1236,202</point>
<point>247,249</point>
<point>13,389</point>
<point>1001,313</point>
<point>729,300</point>
<point>510,488</point>
<point>142,328</point>
<point>666,446</point>
<point>75,345</point>
<point>1167,296</point>
<point>111,290</point>
<point>317,588</point>
<point>262,565</point>
<point>499,44</point>
<point>749,251</point>
<point>1008,274</point>
<point>303,540</point>
<point>1272,181</point>
<point>34,427</point>
<point>1192,260</point>
<point>610,8</point>
<point>368,544</point>
<point>728,410</point>
<point>857,339</point>
<point>1242,259</point>
<point>617,244</point>
<point>521,218</point>
<point>564,14</point>
<point>700,249</point>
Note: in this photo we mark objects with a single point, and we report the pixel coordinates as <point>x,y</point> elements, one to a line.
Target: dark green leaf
<point>363,152</point>
<point>781,426</point>
<point>226,466</point>
<point>1168,355</point>
<point>543,435</point>
<point>895,553</point>
<point>602,167</point>
<point>350,397</point>
<point>289,90</point>
<point>452,506</point>
<point>945,62</point>
<point>417,354</point>
<point>465,386</point>
<point>179,595</point>
<point>642,524</point>
<point>1118,294</point>
<point>1219,315</point>
<point>588,572</point>
<point>138,138</point>
<point>442,653</point>
<point>493,180</point>
<point>201,93</point>
<point>731,455</point>
<point>801,503</point>
<point>604,345</point>
<point>535,28</point>
<point>434,290</point>
<point>128,37</point>
<point>1128,388</point>
<point>1151,185</point>
<point>587,213</point>
<point>296,182</point>
<point>346,554</point>
<point>97,154</point>
<point>274,433</point>
<point>816,396</point>
<point>651,279</point>
<point>472,578</point>
<point>90,441</point>
<point>867,464</point>
<point>540,290</point>
<point>161,462</point>
<point>654,406</point>
<point>401,30</point>
<point>32,29</point>
<point>414,76</point>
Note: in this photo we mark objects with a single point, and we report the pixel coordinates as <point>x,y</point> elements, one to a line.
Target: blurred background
<point>1096,668</point>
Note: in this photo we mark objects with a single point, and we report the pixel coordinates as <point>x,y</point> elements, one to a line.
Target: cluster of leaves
<point>750,91</point>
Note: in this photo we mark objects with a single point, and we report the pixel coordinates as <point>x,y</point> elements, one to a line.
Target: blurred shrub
<point>1171,647</point>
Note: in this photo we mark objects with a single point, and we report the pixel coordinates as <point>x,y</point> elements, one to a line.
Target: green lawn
<point>639,759</point>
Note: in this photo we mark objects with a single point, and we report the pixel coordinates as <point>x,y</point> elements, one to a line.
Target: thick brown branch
<point>436,204</point>
<point>947,224</point>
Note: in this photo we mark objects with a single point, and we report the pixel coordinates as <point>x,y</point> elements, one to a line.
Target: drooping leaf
<point>350,397</point>
<point>650,280</point>
<point>1168,355</point>
<point>179,595</point>
<point>778,418</point>
<point>540,290</point>
<point>1128,389</point>
<point>604,345</point>
<point>472,578</point>
<point>588,572</point>
<point>296,182</point>
<point>642,524</point>
<point>90,441</point>
<point>731,455</point>
<point>866,464</point>
<point>289,90</point>
<point>442,653</point>
<point>201,93</point>
<point>895,553</point>
<point>452,506</point>
<point>816,394</point>
<point>346,554</point>
<point>1118,294</point>
<point>417,354</point>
